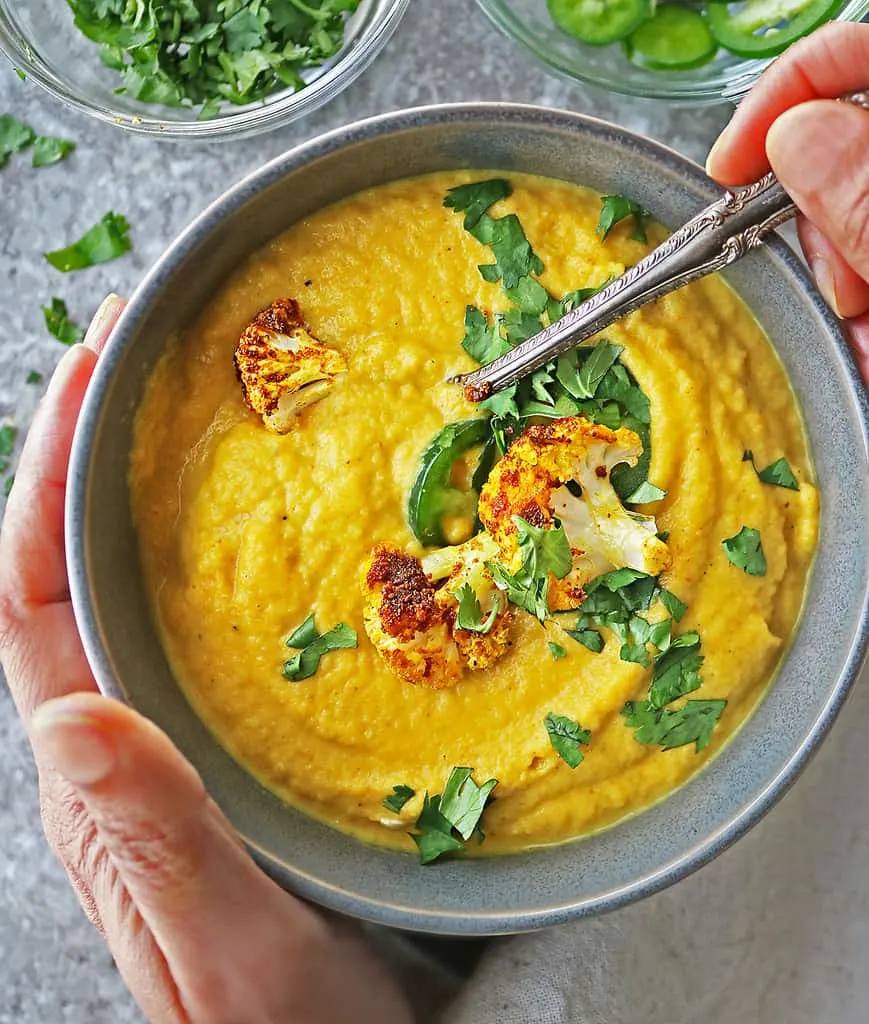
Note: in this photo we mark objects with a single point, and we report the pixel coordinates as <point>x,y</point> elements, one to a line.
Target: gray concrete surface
<point>53,968</point>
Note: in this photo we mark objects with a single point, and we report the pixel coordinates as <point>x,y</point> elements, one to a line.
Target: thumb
<point>236,946</point>
<point>819,150</point>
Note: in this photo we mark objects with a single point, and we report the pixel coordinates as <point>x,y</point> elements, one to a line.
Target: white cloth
<point>776,931</point>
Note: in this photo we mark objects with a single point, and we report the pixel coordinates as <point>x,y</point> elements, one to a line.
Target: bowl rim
<point>687,92</point>
<point>382,910</point>
<point>252,119</point>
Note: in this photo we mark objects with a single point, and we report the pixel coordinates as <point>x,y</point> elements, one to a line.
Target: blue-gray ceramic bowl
<point>545,886</point>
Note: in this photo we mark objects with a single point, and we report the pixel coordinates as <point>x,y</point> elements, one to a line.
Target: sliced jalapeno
<point>433,498</point>
<point>764,28</point>
<point>599,22</point>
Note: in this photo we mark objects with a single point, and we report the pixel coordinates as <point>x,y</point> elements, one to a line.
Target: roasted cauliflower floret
<point>282,366</point>
<point>410,616</point>
<point>530,482</point>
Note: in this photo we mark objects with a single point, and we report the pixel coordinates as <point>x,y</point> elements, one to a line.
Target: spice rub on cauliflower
<point>412,612</point>
<point>282,366</point>
<point>537,481</point>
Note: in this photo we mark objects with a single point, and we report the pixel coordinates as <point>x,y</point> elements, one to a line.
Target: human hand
<point>819,150</point>
<point>199,933</point>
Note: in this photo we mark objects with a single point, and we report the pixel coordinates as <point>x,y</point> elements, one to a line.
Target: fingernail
<point>72,742</point>
<point>826,282</point>
<point>717,146</point>
<point>104,318</point>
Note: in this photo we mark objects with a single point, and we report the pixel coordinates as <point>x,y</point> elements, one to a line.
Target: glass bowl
<point>41,40</point>
<point>725,78</point>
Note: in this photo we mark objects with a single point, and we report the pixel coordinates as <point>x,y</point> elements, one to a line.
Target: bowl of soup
<point>456,667</point>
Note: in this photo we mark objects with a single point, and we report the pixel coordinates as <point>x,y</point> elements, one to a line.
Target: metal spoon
<point>724,232</point>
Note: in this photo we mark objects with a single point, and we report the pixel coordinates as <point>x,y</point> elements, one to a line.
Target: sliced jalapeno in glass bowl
<point>691,51</point>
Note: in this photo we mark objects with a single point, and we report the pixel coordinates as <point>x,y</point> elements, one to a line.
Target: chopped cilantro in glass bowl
<point>196,68</point>
<point>721,75</point>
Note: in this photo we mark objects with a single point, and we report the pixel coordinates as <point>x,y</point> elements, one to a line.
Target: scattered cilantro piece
<point>519,326</point>
<point>312,645</point>
<point>556,650</point>
<point>7,486</point>
<point>745,551</point>
<point>59,324</point>
<point>676,671</point>
<point>105,241</point>
<point>566,736</point>
<point>594,369</point>
<point>530,296</point>
<point>482,340</point>
<point>618,208</point>
<point>460,808</point>
<point>525,591</point>
<point>674,606</point>
<point>48,150</point>
<point>544,550</point>
<point>514,257</point>
<point>778,473</point>
<point>646,493</point>
<point>398,798</point>
<point>692,723</point>
<point>589,638</point>
<point>475,198</point>
<point>20,74</point>
<point>470,615</point>
<point>14,136</point>
<point>34,377</point>
<point>8,434</point>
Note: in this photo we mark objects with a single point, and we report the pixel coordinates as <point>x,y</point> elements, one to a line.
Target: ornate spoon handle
<point>716,237</point>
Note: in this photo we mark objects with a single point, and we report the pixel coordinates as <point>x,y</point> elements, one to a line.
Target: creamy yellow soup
<point>244,532</point>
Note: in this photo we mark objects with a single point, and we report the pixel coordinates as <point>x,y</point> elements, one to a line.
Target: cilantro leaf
<point>674,606</point>
<point>519,326</point>
<point>745,551</point>
<point>7,485</point>
<point>463,801</point>
<point>589,638</point>
<point>313,645</point>
<point>59,324</point>
<point>676,673</point>
<point>470,615</point>
<point>525,591</point>
<point>530,296</point>
<point>615,209</point>
<point>48,150</point>
<point>581,371</point>
<point>778,473</point>
<point>556,650</point>
<point>398,798</point>
<point>514,257</point>
<point>692,723</point>
<point>566,737</point>
<point>8,434</point>
<point>646,493</point>
<point>14,136</point>
<point>434,833</point>
<point>544,550</point>
<point>105,241</point>
<point>475,198</point>
<point>482,341</point>
<point>34,377</point>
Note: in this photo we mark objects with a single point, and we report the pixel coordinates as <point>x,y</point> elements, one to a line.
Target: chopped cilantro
<point>20,74</point>
<point>7,485</point>
<point>745,551</point>
<point>34,377</point>
<point>674,606</point>
<point>589,638</point>
<point>470,615</point>
<point>514,257</point>
<point>589,374</point>
<point>312,645</point>
<point>459,809</point>
<point>398,798</point>
<point>523,590</point>
<point>8,434</point>
<point>615,209</point>
<point>566,737</point>
<point>482,340</point>
<point>531,298</point>
<point>14,136</point>
<point>676,671</point>
<point>692,723</point>
<point>646,493</point>
<point>778,473</point>
<point>59,324</point>
<point>48,150</point>
<point>556,650</point>
<point>475,198</point>
<point>544,550</point>
<point>106,240</point>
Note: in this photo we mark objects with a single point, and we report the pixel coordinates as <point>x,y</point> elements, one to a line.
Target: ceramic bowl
<point>553,884</point>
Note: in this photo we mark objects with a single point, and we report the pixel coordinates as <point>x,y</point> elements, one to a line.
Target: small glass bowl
<point>41,40</point>
<point>725,78</point>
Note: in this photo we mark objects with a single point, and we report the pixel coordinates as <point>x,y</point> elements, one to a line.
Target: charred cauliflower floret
<point>411,615</point>
<point>530,482</point>
<point>282,366</point>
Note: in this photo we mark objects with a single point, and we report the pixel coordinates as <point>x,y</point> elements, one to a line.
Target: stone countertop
<point>53,967</point>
